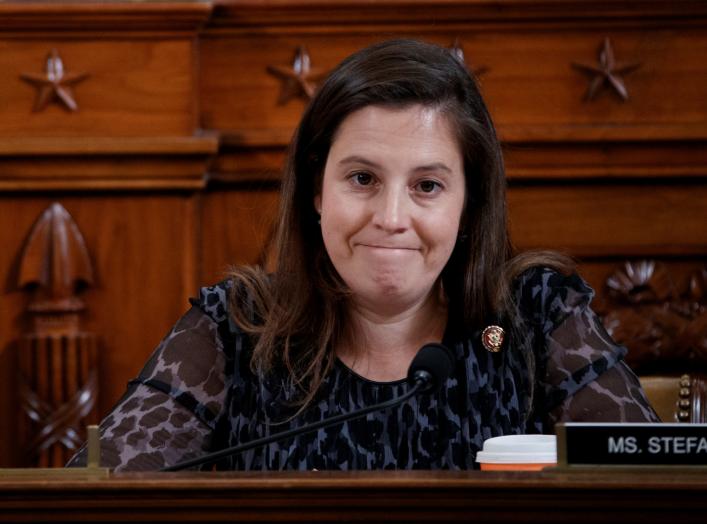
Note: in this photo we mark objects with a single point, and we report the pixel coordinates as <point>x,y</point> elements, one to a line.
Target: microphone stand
<point>422,381</point>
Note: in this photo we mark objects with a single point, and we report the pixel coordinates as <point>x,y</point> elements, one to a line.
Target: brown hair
<point>298,314</point>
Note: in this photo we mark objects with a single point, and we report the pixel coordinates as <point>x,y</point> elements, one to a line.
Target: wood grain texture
<point>236,227</point>
<point>261,14</point>
<point>622,496</point>
<point>176,162</point>
<point>618,220</point>
<point>58,394</point>
<point>171,17</point>
<point>58,362</point>
<point>136,87</point>
<point>55,266</point>
<point>143,251</point>
<point>530,87</point>
<point>562,161</point>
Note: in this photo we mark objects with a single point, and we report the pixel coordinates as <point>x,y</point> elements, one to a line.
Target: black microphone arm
<point>428,371</point>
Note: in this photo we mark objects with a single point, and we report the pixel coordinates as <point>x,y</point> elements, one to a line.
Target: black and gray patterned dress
<point>197,394</point>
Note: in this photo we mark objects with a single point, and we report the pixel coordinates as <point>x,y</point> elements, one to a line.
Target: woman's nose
<point>392,211</point>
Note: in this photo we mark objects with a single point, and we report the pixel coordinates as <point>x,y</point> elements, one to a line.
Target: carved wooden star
<point>298,78</point>
<point>458,51</point>
<point>608,72</point>
<point>55,84</point>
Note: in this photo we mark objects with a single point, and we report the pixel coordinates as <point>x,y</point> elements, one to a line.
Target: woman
<point>392,233</point>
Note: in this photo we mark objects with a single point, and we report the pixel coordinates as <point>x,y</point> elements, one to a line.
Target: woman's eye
<point>362,178</point>
<point>428,186</point>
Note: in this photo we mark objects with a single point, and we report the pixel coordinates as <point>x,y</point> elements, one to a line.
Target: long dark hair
<point>298,314</point>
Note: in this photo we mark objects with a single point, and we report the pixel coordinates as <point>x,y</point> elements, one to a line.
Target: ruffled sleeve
<point>170,411</point>
<point>581,375</point>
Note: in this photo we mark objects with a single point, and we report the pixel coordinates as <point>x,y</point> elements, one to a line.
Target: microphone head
<point>432,366</point>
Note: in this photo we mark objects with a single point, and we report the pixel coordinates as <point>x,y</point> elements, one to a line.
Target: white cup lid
<point>519,449</point>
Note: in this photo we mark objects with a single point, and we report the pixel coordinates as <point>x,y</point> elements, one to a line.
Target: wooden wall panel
<point>238,94</point>
<point>236,227</point>
<point>135,87</point>
<point>530,85</point>
<point>143,248</point>
<point>611,220</point>
<point>533,89</point>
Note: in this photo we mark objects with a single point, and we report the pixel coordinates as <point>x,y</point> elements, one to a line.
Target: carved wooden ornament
<point>55,262</point>
<point>657,322</point>
<point>298,79</point>
<point>58,361</point>
<point>54,84</point>
<point>607,73</point>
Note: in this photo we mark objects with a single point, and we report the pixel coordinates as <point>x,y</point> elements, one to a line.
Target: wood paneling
<point>30,164</point>
<point>143,249</point>
<point>134,88</point>
<point>617,220</point>
<point>236,227</point>
<point>532,89</point>
<point>171,164</point>
<point>618,160</point>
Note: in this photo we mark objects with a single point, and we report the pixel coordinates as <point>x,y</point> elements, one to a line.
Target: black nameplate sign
<point>582,444</point>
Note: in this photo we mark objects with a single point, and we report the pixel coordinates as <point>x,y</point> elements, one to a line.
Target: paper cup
<point>518,453</point>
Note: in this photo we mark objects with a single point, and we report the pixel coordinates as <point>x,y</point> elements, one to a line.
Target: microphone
<point>431,367</point>
<point>428,371</point>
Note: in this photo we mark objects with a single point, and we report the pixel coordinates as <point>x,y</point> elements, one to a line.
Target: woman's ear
<point>318,204</point>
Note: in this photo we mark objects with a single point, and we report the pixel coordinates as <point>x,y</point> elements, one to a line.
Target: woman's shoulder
<point>214,301</point>
<point>547,296</point>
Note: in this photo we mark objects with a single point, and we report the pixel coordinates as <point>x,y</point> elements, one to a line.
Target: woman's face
<point>391,200</point>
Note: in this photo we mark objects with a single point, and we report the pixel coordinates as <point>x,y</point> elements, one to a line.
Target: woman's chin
<point>392,296</point>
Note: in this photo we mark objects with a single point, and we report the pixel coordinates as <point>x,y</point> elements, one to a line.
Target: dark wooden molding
<point>545,133</point>
<point>102,163</point>
<point>654,495</point>
<point>104,16</point>
<point>253,13</point>
<point>528,136</point>
<point>203,143</point>
<point>259,154</point>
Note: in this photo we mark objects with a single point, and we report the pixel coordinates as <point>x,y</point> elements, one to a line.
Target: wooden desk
<point>668,495</point>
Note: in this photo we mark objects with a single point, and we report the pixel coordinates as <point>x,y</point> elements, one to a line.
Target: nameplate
<point>582,444</point>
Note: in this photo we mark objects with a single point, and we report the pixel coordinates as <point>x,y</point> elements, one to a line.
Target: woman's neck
<point>381,347</point>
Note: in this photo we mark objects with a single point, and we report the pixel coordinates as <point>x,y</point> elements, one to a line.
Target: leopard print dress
<point>197,394</point>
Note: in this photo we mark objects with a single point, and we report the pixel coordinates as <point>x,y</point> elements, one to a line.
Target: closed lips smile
<point>377,246</point>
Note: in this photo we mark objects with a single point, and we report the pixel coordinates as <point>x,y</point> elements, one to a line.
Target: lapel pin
<point>492,338</point>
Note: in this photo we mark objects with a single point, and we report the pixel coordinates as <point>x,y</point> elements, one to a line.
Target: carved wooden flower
<point>641,282</point>
<point>658,324</point>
